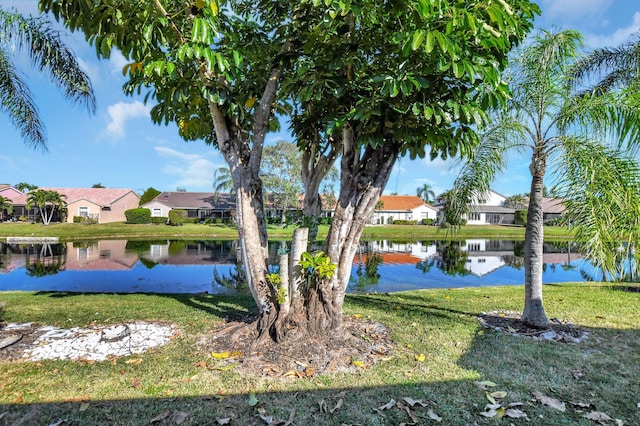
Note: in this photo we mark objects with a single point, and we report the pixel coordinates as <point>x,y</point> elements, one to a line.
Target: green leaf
<point>253,401</point>
<point>418,38</point>
<point>429,44</point>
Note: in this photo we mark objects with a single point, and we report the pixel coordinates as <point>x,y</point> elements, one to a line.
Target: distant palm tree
<point>5,205</point>
<point>51,57</point>
<point>25,187</point>
<point>222,181</point>
<point>426,193</point>
<point>47,203</point>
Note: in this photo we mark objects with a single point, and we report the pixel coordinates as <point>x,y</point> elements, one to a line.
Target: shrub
<point>135,216</point>
<point>177,217</point>
<point>405,222</point>
<point>85,220</point>
<point>427,221</point>
<point>520,217</point>
<point>159,219</point>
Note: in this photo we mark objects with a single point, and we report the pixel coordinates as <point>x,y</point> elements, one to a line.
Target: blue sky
<point>120,147</point>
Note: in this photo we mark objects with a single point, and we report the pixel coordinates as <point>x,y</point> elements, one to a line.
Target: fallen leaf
<point>499,394</point>
<point>597,416</point>
<point>485,384</point>
<point>338,406</point>
<point>224,421</point>
<point>59,422</point>
<point>421,358</point>
<point>253,401</point>
<point>136,383</point>
<point>389,405</point>
<point>413,402</point>
<point>136,361</point>
<point>220,355</point>
<point>515,413</point>
<point>357,316</point>
<point>359,364</point>
<point>83,407</point>
<point>179,417</point>
<point>433,416</point>
<point>160,417</point>
<point>201,364</point>
<point>494,412</point>
<point>490,398</point>
<point>577,374</point>
<point>309,372</point>
<point>551,402</point>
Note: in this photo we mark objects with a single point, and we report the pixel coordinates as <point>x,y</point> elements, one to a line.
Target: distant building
<point>201,205</point>
<point>103,205</point>
<point>402,207</point>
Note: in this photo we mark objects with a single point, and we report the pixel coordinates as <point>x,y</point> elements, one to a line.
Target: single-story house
<point>552,208</point>
<point>18,200</point>
<point>201,205</point>
<point>402,207</point>
<point>101,204</point>
<point>489,209</point>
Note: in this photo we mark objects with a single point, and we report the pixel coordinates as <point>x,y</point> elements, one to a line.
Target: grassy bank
<point>441,351</point>
<point>73,231</point>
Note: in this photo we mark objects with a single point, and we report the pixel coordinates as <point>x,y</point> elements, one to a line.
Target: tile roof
<point>100,196</point>
<point>553,205</point>
<point>17,198</point>
<point>196,200</point>
<point>402,202</point>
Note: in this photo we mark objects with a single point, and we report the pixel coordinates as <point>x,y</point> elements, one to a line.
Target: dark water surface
<point>167,266</point>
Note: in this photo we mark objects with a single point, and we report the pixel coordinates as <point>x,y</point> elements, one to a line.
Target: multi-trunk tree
<point>373,80</point>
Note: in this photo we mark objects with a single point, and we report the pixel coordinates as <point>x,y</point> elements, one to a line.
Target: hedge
<point>136,216</point>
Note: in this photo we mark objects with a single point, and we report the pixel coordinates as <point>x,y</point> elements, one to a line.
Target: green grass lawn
<point>74,231</point>
<point>441,351</point>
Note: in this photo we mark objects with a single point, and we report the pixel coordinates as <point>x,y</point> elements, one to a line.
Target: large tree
<point>377,79</point>
<point>545,116</point>
<point>35,37</point>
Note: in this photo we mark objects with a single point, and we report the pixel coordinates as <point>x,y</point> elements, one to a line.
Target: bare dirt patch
<point>360,344</point>
<point>510,322</point>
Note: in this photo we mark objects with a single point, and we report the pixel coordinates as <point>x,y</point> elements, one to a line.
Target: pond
<point>176,266</point>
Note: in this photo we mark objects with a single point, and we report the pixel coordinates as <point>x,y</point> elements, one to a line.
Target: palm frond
<point>601,188</point>
<point>16,100</point>
<point>48,54</point>
<point>489,159</point>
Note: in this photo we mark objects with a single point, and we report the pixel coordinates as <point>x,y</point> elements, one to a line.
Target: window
<point>474,216</point>
<point>156,212</point>
<point>83,211</point>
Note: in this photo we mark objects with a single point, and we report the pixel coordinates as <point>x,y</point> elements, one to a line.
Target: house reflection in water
<point>481,257</point>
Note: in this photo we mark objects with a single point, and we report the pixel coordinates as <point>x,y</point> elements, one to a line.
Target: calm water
<point>121,266</point>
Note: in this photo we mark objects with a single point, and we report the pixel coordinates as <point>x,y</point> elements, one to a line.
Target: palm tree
<point>426,193</point>
<point>47,203</point>
<point>36,37</point>
<point>25,187</point>
<point>545,115</point>
<point>222,181</point>
<point>5,205</point>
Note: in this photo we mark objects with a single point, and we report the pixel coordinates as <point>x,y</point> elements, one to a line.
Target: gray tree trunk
<point>533,245</point>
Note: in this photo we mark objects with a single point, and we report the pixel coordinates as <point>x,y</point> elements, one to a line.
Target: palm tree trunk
<point>534,314</point>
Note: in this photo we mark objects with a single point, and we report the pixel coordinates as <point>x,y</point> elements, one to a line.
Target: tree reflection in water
<point>47,261</point>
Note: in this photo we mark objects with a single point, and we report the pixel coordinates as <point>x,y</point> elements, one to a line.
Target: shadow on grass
<point>602,373</point>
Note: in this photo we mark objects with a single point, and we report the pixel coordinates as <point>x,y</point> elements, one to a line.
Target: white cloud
<point>117,61</point>
<point>621,35</point>
<point>123,111</point>
<point>568,11</point>
<point>193,171</point>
